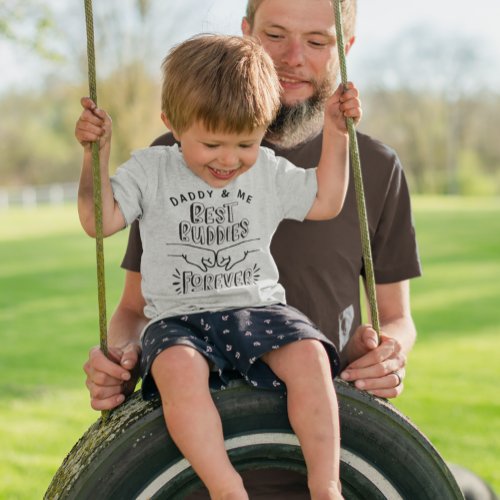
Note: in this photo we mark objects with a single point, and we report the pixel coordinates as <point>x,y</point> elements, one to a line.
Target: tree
<point>425,81</point>
<point>30,24</point>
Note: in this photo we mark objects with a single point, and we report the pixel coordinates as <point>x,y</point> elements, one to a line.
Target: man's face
<point>299,35</point>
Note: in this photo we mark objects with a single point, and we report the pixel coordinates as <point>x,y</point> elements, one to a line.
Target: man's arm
<point>109,381</point>
<point>373,367</point>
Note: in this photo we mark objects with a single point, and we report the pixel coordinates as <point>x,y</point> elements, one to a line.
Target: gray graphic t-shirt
<point>205,248</point>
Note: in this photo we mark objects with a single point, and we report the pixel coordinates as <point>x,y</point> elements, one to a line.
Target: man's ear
<point>349,44</point>
<point>167,123</point>
<point>245,27</point>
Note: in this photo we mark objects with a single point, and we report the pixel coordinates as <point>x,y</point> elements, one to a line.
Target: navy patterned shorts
<point>233,342</point>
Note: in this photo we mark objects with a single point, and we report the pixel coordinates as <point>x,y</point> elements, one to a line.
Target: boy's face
<point>219,157</point>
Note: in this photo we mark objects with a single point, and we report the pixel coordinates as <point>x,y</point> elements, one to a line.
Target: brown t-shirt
<point>320,262</point>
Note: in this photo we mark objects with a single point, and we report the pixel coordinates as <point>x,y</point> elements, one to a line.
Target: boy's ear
<point>167,123</point>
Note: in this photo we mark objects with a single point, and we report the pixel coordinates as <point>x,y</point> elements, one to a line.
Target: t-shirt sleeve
<point>132,259</point>
<point>296,189</point>
<point>129,186</point>
<point>394,246</point>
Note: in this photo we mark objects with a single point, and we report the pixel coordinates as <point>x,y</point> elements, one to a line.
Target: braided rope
<point>358,181</point>
<point>96,178</point>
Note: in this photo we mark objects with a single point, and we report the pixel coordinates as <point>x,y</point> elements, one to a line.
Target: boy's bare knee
<point>179,366</point>
<point>178,357</point>
<point>297,358</point>
<point>309,351</point>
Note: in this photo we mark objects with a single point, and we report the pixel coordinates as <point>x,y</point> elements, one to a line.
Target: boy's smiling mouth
<point>222,174</point>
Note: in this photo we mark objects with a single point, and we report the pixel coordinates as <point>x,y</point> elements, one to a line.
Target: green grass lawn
<point>48,318</point>
<point>454,371</point>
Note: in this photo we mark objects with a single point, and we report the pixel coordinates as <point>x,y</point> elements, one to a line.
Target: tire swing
<point>128,454</point>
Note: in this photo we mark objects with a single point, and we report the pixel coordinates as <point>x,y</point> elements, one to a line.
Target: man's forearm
<point>395,313</point>
<point>125,327</point>
<point>403,330</point>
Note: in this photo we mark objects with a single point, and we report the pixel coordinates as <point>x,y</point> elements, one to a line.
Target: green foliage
<point>443,149</point>
<point>472,179</point>
<point>49,321</point>
<point>132,99</point>
<point>445,146</point>
<point>426,100</point>
<point>37,143</point>
<point>29,23</point>
<point>43,150</point>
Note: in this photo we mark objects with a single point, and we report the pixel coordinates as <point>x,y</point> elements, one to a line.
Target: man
<point>319,262</point>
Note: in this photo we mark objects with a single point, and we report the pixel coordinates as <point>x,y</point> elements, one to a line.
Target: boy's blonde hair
<point>349,10</point>
<point>226,82</point>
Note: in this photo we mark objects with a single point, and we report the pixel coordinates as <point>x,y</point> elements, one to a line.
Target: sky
<point>379,23</point>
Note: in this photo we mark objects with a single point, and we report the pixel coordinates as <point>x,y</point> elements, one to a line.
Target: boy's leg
<point>181,375</point>
<point>313,411</point>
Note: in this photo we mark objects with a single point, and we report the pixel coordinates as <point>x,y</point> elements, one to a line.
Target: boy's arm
<point>95,125</point>
<point>333,168</point>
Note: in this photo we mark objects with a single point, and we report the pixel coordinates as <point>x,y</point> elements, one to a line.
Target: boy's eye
<point>244,146</point>
<point>211,146</point>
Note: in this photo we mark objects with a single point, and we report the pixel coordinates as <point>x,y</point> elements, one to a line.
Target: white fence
<point>32,196</point>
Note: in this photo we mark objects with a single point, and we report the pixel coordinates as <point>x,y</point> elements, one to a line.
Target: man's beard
<point>296,123</point>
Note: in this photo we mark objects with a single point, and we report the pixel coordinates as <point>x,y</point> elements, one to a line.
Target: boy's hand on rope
<point>341,105</point>
<point>93,125</point>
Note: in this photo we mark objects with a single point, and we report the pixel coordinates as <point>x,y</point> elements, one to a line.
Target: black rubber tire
<point>472,486</point>
<point>131,456</point>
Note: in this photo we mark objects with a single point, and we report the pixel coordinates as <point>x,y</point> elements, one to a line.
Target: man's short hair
<point>349,10</point>
<point>227,82</point>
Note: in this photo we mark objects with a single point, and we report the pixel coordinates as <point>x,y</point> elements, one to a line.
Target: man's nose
<point>293,54</point>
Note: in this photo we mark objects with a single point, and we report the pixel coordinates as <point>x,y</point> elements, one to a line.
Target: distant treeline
<point>446,145</point>
<point>431,95</point>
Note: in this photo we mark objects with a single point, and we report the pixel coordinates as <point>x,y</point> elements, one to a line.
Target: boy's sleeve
<point>296,189</point>
<point>129,186</point>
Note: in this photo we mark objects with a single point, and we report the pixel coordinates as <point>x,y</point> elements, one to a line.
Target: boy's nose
<point>228,159</point>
